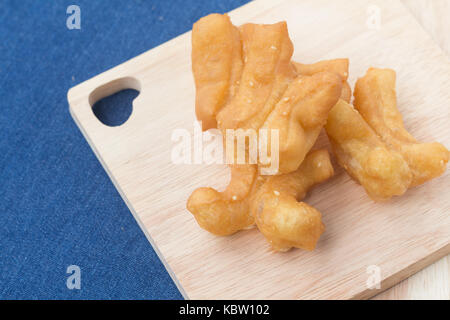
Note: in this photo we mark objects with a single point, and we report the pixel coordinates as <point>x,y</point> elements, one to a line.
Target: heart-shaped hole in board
<point>112,103</point>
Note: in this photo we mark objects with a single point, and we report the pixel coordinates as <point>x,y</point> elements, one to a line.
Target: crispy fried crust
<point>267,51</point>
<point>300,115</point>
<point>269,92</point>
<point>285,222</point>
<point>382,172</point>
<point>375,99</point>
<point>216,65</point>
<point>224,213</point>
<point>270,201</point>
<point>337,66</point>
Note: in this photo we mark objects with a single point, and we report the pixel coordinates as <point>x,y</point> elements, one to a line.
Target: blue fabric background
<point>57,205</point>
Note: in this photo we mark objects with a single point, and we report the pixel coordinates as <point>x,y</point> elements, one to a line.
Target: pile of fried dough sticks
<point>245,79</point>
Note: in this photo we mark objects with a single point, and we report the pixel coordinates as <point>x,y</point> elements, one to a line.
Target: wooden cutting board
<point>395,239</point>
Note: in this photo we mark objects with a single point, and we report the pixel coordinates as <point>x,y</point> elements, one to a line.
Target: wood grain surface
<point>434,17</point>
<point>397,238</point>
<point>433,282</point>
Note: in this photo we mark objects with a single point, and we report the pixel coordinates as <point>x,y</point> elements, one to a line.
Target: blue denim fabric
<point>57,205</point>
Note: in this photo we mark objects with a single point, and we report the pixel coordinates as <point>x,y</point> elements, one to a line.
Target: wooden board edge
<point>405,273</point>
<point>129,205</point>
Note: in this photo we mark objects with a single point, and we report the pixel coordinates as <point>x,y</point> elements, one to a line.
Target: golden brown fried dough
<point>216,65</point>
<point>346,94</point>
<point>375,99</point>
<point>217,68</point>
<point>285,222</point>
<point>245,80</point>
<point>224,213</point>
<point>267,81</point>
<point>337,66</point>
<point>268,199</point>
<point>300,115</point>
<point>381,171</point>
<point>267,51</point>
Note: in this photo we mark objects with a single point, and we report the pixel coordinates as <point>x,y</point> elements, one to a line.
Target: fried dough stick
<point>338,66</point>
<point>285,222</point>
<point>266,74</point>
<point>382,172</point>
<point>267,51</point>
<point>224,213</point>
<point>300,115</point>
<point>375,99</point>
<point>216,65</point>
